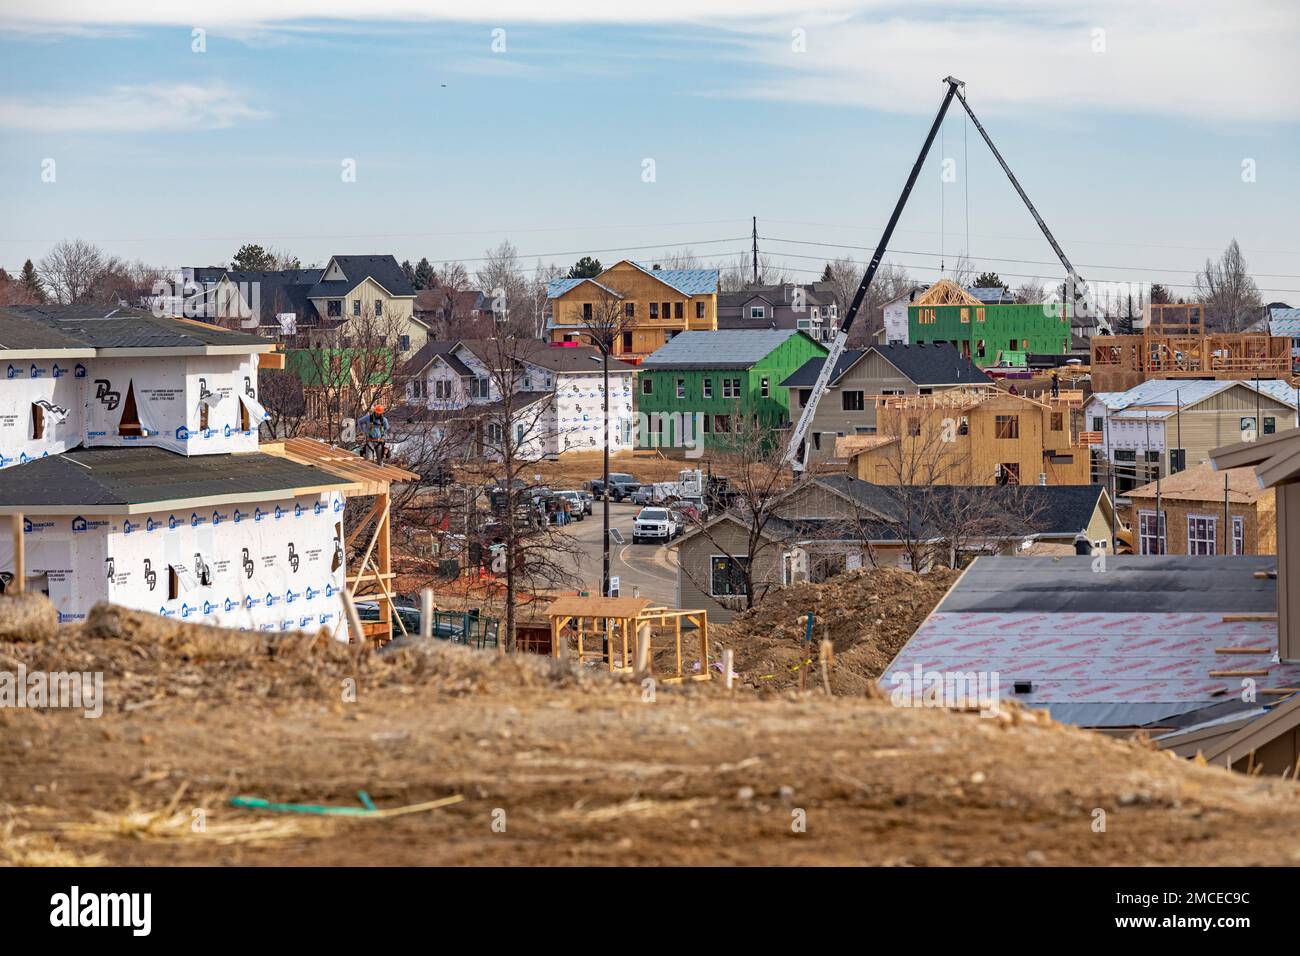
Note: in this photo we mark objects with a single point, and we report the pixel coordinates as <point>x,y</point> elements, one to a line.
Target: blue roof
<point>991,296</point>
<point>730,348</point>
<point>1285,322</point>
<point>685,281</point>
<point>557,287</point>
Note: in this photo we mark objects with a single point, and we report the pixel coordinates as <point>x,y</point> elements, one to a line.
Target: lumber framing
<point>619,625</point>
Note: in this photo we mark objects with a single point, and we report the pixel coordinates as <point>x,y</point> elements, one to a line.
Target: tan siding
<point>694,555</point>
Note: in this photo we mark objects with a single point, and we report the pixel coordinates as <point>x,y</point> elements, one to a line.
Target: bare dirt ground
<point>578,766</point>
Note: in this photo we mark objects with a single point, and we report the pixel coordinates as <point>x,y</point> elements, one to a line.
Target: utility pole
<point>604,577</point>
<point>755,240</point>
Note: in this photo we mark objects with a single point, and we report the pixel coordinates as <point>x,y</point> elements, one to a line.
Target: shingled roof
<point>37,327</point>
<point>731,348</point>
<point>133,480</point>
<point>937,364</point>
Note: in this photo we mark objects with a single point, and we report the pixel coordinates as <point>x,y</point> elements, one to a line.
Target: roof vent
<point>1023,686</point>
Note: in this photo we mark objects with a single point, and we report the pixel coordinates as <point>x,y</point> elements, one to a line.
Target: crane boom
<point>838,343</point>
<point>841,336</point>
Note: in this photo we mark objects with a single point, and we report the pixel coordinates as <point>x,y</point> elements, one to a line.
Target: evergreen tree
<point>988,280</point>
<point>408,270</point>
<point>32,281</point>
<point>425,277</point>
<point>585,268</point>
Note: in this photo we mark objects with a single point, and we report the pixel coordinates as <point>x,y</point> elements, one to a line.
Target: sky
<point>1147,134</point>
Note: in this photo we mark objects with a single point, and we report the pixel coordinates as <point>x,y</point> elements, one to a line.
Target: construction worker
<point>373,428</point>
<point>1056,385</point>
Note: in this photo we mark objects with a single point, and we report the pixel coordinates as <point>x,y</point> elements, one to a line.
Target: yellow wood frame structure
<point>622,619</point>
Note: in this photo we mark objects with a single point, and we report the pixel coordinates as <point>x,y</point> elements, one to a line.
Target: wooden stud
<point>1255,672</point>
<point>20,555</point>
<point>677,623</point>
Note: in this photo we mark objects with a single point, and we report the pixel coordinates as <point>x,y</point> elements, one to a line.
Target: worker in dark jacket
<point>373,428</point>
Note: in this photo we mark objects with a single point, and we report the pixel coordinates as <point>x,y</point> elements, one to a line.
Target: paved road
<point>649,567</point>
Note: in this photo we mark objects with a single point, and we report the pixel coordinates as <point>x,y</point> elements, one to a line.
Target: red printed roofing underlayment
<point>1136,643</point>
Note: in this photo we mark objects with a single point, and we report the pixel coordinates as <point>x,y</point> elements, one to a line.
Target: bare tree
<point>962,271</point>
<point>684,258</point>
<point>738,274</point>
<point>756,484</point>
<point>1030,292</point>
<point>1227,291</point>
<point>845,275</point>
<point>70,269</point>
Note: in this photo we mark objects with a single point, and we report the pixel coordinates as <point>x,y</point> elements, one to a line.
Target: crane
<point>792,453</point>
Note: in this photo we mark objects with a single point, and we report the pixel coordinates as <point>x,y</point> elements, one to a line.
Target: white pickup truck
<point>654,524</point>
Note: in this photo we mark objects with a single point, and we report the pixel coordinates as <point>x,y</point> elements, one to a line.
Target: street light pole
<point>604,579</point>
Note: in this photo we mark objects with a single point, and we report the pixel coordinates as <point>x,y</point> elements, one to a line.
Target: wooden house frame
<point>627,622</point>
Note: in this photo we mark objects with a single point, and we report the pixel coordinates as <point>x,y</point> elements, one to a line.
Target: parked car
<point>586,501</point>
<point>690,510</point>
<point>655,524</point>
<point>698,503</point>
<point>659,493</point>
<point>410,616</point>
<point>577,509</point>
<point>621,486</point>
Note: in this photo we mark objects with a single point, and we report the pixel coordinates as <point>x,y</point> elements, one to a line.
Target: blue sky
<point>1130,142</point>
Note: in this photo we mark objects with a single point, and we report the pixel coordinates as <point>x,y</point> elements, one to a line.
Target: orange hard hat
<point>379,409</point>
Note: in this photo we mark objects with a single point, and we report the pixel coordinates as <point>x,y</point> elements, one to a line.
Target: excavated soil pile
<point>531,762</point>
<point>867,615</point>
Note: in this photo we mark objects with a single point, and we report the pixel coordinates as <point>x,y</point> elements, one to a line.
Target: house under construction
<point>1121,362</point>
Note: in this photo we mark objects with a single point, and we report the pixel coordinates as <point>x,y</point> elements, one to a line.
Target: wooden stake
<point>727,659</point>
<point>827,656</point>
<point>426,613</point>
<point>19,583</point>
<point>354,619</point>
<point>643,649</point>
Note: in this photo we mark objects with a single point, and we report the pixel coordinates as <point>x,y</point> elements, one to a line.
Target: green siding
<point>772,409</point>
<point>316,366</point>
<point>1046,334</point>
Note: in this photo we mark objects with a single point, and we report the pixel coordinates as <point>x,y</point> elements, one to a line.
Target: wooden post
<point>426,613</point>
<point>385,566</point>
<point>727,660</point>
<point>354,619</point>
<point>703,622</point>
<point>627,623</point>
<point>20,555</point>
<point>643,657</point>
<point>677,627</point>
<point>582,626</point>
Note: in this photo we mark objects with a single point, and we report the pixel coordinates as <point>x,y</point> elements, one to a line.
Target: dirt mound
<point>867,615</point>
<point>27,617</point>
<point>146,659</point>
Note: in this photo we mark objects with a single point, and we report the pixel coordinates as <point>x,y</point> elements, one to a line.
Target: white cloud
<point>148,108</point>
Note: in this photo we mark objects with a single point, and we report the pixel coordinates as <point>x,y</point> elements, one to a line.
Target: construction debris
<point>27,616</point>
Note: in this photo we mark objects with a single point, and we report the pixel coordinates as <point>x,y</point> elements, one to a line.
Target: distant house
<point>836,523</point>
<point>893,330</point>
<point>861,376</point>
<point>703,387</point>
<point>1201,511</point>
<point>985,327</point>
<point>370,293</point>
<point>655,304</point>
<point>456,382</point>
<point>806,307</point>
<point>452,312</point>
<point>1285,322</point>
<point>1163,426</point>
<point>985,437</point>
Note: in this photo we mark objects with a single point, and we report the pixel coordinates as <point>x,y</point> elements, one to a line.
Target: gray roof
<point>110,327</point>
<point>105,478</point>
<point>1128,645</point>
<point>733,348</point>
<point>935,364</point>
<point>383,269</point>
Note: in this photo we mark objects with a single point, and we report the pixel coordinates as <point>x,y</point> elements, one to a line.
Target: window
<point>665,310</point>
<point>708,424</point>
<point>586,311</point>
<point>442,389</point>
<point>804,395</point>
<point>756,312</point>
<point>654,310</point>
<point>722,424</point>
<point>647,386</point>
<point>629,310</point>
<point>1248,427</point>
<point>1008,426</point>
<point>1098,423</point>
<point>173,583</point>
<point>1151,533</point>
<point>681,388</point>
<point>627,341</point>
<point>1238,534</point>
<point>1013,346</point>
<point>699,310</point>
<point>244,424</point>
<point>765,386</point>
<point>852,400</point>
<point>731,388</point>
<point>482,387</point>
<point>334,308</point>
<point>914,427</point>
<point>379,307</point>
<point>405,342</point>
<point>1008,473</point>
<point>356,306</point>
<point>1177,460</point>
<point>1058,421</point>
<point>706,388</point>
<point>38,422</point>
<point>963,426</point>
<point>965,315</point>
<point>1201,534</point>
<point>1270,426</point>
<point>678,308</point>
<point>979,349</point>
<point>727,575</point>
<point>979,315</point>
